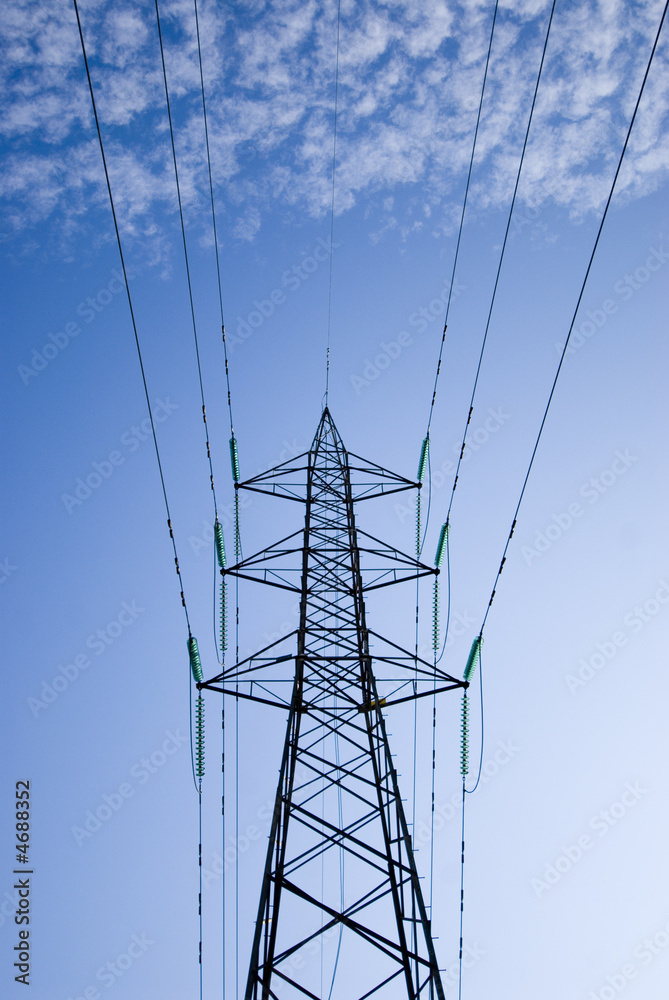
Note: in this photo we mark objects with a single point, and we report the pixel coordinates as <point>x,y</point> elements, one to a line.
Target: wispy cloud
<point>409,77</point>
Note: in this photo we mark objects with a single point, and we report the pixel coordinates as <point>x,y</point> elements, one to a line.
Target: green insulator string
<point>441,545</point>
<point>194,655</point>
<point>220,556</point>
<point>438,562</point>
<point>473,658</point>
<point>422,462</point>
<point>199,736</point>
<point>234,458</point>
<point>223,637</point>
<point>418,524</point>
<point>420,475</point>
<point>464,749</point>
<point>220,543</point>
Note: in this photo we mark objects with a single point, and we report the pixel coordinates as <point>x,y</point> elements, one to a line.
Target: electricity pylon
<point>341,911</point>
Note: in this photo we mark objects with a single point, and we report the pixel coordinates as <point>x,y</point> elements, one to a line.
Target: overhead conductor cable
<point>575,313</point>
<point>473,657</point>
<point>497,277</point>
<point>132,316</point>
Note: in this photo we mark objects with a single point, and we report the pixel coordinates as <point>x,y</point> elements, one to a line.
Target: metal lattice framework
<point>340,890</point>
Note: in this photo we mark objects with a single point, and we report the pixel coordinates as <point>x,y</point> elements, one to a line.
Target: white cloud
<point>245,228</point>
<point>410,77</point>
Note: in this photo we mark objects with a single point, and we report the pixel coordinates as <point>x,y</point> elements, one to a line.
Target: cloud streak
<point>410,77</point>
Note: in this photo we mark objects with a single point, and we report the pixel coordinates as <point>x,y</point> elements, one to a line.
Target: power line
<point>462,220</point>
<point>198,785</point>
<point>185,246</point>
<point>421,541</point>
<point>492,300</point>
<point>426,441</point>
<point>501,260</point>
<point>332,207</point>
<point>132,315</point>
<point>213,218</point>
<point>237,536</point>
<point>573,320</point>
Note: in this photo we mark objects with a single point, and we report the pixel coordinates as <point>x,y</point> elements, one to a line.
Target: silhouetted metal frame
<point>320,573</point>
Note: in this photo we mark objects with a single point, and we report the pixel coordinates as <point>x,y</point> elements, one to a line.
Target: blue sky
<point>574,650</point>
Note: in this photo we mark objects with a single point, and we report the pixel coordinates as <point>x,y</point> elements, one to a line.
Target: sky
<point>565,880</point>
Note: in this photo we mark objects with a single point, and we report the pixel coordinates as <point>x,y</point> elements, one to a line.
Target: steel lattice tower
<point>340,878</point>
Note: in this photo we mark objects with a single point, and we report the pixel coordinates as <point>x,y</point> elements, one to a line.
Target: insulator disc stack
<point>441,545</point>
<point>199,736</point>
<point>220,543</point>
<point>435,620</point>
<point>194,655</point>
<point>234,459</point>
<point>224,619</point>
<point>420,475</point>
<point>464,751</point>
<point>418,525</point>
<point>473,659</point>
<point>238,539</point>
<point>422,462</point>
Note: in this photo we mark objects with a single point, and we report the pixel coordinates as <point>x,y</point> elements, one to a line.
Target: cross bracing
<point>340,860</point>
